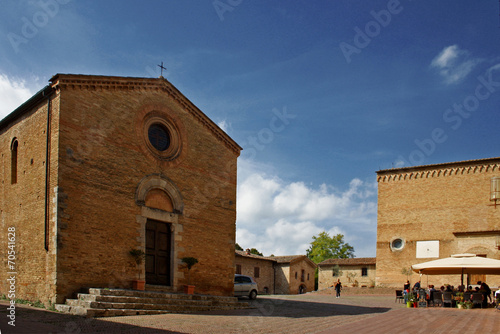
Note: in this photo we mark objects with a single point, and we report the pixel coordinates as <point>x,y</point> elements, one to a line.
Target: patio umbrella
<point>459,264</point>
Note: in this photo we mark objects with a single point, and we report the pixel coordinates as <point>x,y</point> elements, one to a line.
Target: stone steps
<point>120,302</point>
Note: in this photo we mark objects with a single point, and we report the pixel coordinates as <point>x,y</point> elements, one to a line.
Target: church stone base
<point>120,302</point>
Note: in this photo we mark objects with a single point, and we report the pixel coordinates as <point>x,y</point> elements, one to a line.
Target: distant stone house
<point>277,274</point>
<point>351,272</point>
<point>294,274</point>
<point>258,267</point>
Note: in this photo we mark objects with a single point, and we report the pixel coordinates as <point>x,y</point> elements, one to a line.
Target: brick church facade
<point>434,211</point>
<point>96,166</point>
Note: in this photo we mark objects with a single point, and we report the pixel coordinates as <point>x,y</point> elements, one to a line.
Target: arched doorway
<point>161,205</point>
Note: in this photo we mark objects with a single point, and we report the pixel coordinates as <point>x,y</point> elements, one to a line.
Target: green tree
<point>324,247</point>
<point>238,247</point>
<point>255,252</point>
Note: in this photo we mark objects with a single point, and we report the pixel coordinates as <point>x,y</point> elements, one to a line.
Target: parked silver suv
<point>245,286</point>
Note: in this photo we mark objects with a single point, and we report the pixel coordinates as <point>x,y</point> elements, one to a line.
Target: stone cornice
<point>477,233</point>
<point>96,82</point>
<point>439,170</point>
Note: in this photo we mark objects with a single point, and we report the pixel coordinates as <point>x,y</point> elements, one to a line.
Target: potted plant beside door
<point>138,256</point>
<point>190,262</point>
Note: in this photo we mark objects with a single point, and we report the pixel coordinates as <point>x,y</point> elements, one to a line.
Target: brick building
<point>359,271</point>
<point>287,275</point>
<point>258,267</point>
<point>294,274</point>
<point>95,166</point>
<point>434,211</point>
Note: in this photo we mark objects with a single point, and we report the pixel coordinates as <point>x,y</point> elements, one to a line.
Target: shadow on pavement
<point>36,320</point>
<point>274,307</point>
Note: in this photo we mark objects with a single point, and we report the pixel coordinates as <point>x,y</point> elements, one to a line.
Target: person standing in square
<point>338,288</point>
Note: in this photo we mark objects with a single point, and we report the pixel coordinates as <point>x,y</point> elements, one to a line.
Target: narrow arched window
<point>13,149</point>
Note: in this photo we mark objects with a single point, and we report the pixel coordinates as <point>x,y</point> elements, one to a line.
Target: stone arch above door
<point>160,192</point>
<point>161,206</point>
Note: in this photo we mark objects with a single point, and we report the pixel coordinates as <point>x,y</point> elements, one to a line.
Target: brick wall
<point>283,278</point>
<point>23,204</point>
<point>349,276</point>
<point>430,203</point>
<point>301,274</point>
<point>266,271</point>
<point>100,158</point>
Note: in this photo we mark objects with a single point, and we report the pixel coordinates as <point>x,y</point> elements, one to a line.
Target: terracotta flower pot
<point>189,289</point>
<point>138,285</point>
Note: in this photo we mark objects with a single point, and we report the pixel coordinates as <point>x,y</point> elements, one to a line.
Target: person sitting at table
<point>416,286</point>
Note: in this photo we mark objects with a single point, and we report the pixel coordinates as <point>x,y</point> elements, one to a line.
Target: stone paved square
<point>308,313</point>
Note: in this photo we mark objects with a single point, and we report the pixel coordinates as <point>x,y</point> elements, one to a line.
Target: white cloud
<point>454,64</point>
<point>280,218</point>
<point>282,237</point>
<point>447,57</point>
<point>13,92</point>
<point>224,125</point>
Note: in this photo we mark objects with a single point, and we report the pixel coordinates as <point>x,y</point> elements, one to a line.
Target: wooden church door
<point>158,248</point>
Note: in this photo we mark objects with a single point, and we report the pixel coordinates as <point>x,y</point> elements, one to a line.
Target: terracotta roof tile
<point>350,262</point>
<point>292,258</point>
<point>284,258</point>
<point>253,256</point>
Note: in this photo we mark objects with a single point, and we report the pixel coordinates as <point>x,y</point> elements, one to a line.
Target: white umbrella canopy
<point>459,264</point>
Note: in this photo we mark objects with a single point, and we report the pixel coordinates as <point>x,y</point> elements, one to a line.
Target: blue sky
<point>320,94</point>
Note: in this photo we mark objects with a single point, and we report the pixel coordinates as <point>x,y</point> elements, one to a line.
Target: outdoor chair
<point>447,298</point>
<point>399,296</point>
<point>437,298</point>
<point>422,298</point>
<point>477,299</point>
<point>467,296</point>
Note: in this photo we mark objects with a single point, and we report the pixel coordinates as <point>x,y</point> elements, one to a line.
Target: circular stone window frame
<point>175,147</point>
<point>397,249</point>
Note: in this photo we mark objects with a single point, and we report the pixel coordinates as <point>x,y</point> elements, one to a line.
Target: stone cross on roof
<point>162,68</point>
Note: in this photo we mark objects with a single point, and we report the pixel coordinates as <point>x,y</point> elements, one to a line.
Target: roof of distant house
<point>356,261</point>
<point>291,258</point>
<point>253,256</point>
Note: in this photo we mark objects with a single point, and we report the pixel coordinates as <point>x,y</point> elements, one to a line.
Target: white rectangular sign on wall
<point>427,249</point>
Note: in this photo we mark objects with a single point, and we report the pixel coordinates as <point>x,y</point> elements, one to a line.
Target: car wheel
<point>253,294</point>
